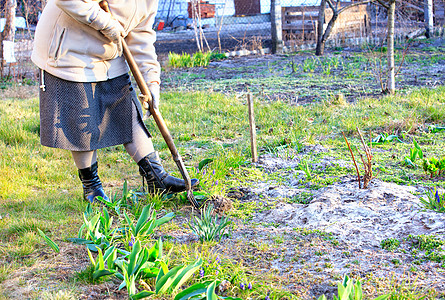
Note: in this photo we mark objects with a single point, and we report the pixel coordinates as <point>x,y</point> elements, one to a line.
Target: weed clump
<point>390,244</point>
<point>199,59</point>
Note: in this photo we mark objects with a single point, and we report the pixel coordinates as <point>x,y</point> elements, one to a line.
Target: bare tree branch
<point>331,5</point>
<point>354,4</point>
<point>383,3</point>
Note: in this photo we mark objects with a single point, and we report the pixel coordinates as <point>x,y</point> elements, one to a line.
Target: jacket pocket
<point>57,43</point>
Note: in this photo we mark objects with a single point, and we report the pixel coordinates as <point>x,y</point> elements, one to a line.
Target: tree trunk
<point>429,21</point>
<point>9,30</point>
<point>391,86</point>
<point>322,37</point>
<point>327,32</point>
<point>320,44</point>
<point>276,28</point>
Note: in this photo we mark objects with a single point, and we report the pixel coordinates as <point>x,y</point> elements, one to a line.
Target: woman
<point>86,98</point>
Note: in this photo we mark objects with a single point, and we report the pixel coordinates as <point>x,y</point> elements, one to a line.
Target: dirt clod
<point>221,204</point>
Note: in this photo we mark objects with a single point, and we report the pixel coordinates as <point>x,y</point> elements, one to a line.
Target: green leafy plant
<point>201,59</point>
<point>328,63</point>
<point>146,223</point>
<point>138,264</point>
<point>169,281</point>
<point>215,56</point>
<point>198,59</point>
<point>390,244</point>
<point>128,199</point>
<point>130,267</point>
<point>206,227</point>
<point>132,271</point>
<point>104,264</point>
<point>385,138</point>
<point>202,291</point>
<point>435,128</point>
<point>309,65</point>
<point>50,242</point>
<point>350,290</point>
<point>426,242</point>
<point>414,153</point>
<point>434,200</point>
<point>304,166</point>
<point>95,232</point>
<point>427,248</point>
<point>433,166</point>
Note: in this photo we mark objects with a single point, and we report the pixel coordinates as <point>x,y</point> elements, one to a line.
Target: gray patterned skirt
<point>84,116</point>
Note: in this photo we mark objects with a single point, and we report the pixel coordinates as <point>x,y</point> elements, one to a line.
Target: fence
<point>222,25</point>
<point>230,25</point>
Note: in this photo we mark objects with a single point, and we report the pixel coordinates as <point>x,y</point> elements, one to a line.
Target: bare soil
<point>287,78</point>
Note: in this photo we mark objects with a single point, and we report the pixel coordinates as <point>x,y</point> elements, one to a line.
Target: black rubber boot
<point>92,187</point>
<point>158,180</point>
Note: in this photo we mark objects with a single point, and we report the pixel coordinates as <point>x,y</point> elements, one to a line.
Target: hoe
<point>146,102</point>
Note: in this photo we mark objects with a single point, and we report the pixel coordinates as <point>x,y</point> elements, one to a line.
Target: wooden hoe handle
<point>147,103</point>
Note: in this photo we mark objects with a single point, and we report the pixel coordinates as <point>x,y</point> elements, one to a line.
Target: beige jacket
<point>69,45</point>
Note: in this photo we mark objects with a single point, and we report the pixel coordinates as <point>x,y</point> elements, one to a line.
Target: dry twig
<point>367,164</point>
<point>353,158</point>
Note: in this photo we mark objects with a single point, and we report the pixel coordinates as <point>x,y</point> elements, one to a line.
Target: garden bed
<point>299,221</point>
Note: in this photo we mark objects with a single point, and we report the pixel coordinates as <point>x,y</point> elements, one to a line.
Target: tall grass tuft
<point>199,59</point>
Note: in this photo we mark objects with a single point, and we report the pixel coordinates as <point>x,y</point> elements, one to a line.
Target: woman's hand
<point>155,96</point>
<point>114,32</point>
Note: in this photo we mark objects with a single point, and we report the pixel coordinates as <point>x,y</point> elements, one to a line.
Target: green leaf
<point>348,291</point>
<point>80,241</point>
<point>164,219</point>
<point>91,224</point>
<point>140,295</point>
<point>49,241</point>
<point>125,190</point>
<point>204,162</point>
<point>93,247</point>
<point>341,291</point>
<point>155,252</point>
<point>420,153</point>
<point>185,274</point>
<point>93,262</point>
<point>383,297</point>
<point>163,270</point>
<point>194,290</point>
<point>148,228</point>
<point>322,297</point>
<point>165,282</point>
<point>392,137</point>
<point>129,222</point>
<point>210,293</point>
<point>88,210</point>
<point>109,252</point>
<point>106,215</point>
<point>100,263</point>
<point>409,162</point>
<point>119,276</point>
<point>358,293</point>
<point>99,273</point>
<point>142,219</point>
<point>132,259</point>
<point>150,272</point>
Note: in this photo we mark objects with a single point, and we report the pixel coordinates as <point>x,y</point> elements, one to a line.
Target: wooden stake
<point>252,128</point>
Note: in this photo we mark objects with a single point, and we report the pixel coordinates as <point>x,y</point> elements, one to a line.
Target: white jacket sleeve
<point>85,11</point>
<point>141,41</point>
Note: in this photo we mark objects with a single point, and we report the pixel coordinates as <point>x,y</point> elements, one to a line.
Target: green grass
<point>199,59</point>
